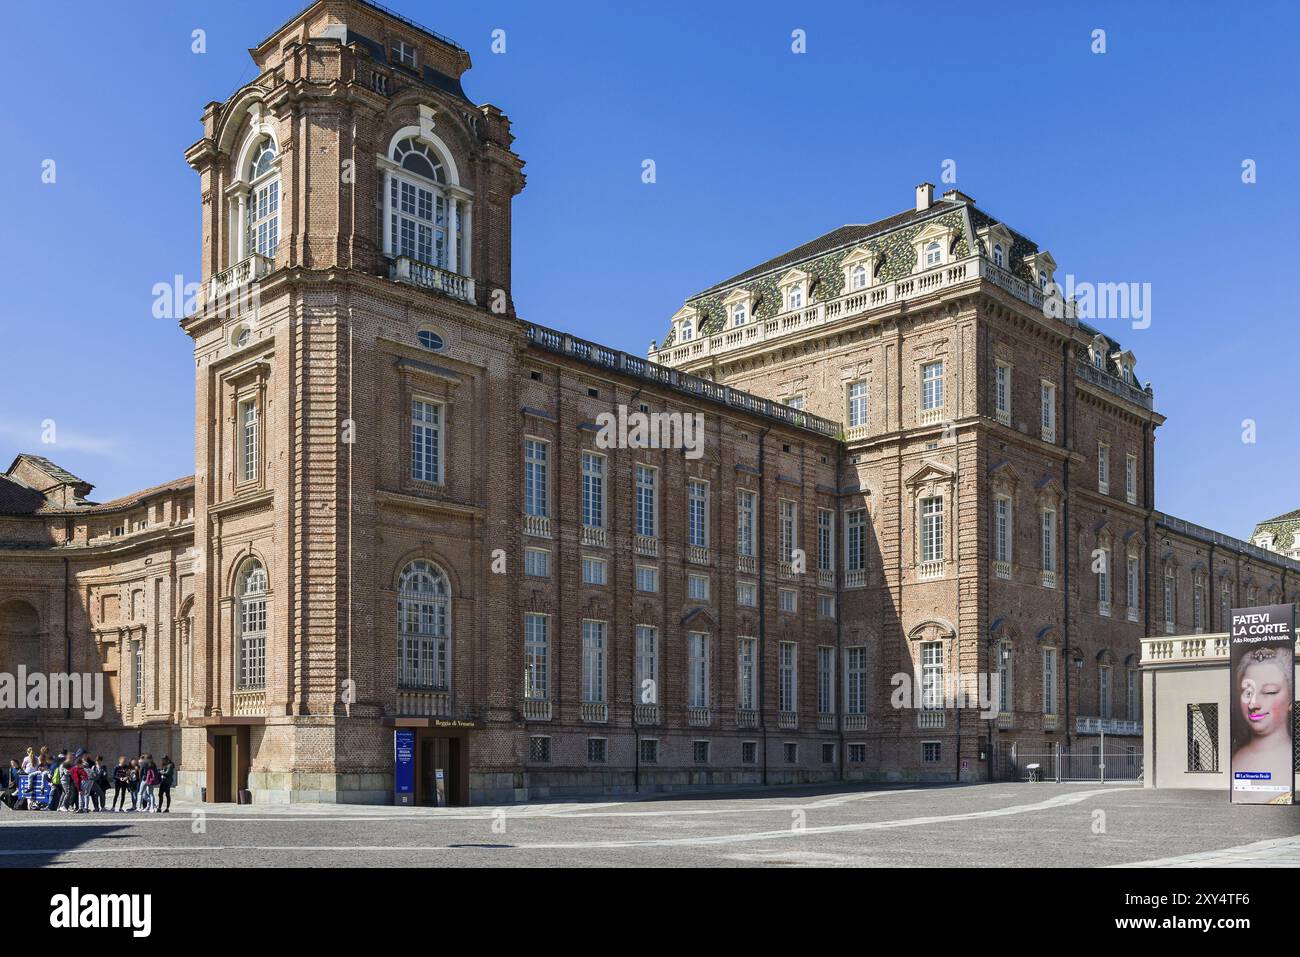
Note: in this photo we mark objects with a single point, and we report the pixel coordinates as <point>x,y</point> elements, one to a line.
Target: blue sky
<point>1126,165</point>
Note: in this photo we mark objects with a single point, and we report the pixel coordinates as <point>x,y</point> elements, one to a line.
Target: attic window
<point>404,53</point>
<point>738,314</point>
<point>535,375</point>
<point>593,393</point>
<point>430,340</point>
<point>241,336</point>
<point>999,257</point>
<point>794,297</point>
<point>1098,359</point>
<point>933,254</point>
<point>1042,279</point>
<point>859,274</point>
<point>687,330</point>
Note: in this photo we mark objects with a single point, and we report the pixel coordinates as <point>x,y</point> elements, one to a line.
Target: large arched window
<point>426,212</point>
<point>251,595</point>
<point>424,622</point>
<point>263,216</point>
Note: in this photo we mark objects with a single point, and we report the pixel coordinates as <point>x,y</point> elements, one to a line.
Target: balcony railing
<point>1002,569</point>
<point>697,554</point>
<point>1049,579</point>
<point>1004,416</point>
<point>1190,648</point>
<point>241,274</point>
<point>787,571</point>
<point>537,709</point>
<point>930,720</point>
<point>826,577</point>
<point>1048,433</point>
<point>855,578</point>
<point>646,545</point>
<point>1132,614</point>
<point>1123,726</point>
<point>929,416</point>
<point>681,382</point>
<point>645,713</point>
<point>1103,609</point>
<point>746,564</point>
<point>855,722</point>
<point>592,535</point>
<point>699,717</point>
<point>746,718</point>
<point>250,702</point>
<point>851,305</point>
<point>1050,722</point>
<point>1113,384</point>
<point>926,571</point>
<point>539,526</point>
<point>856,432</point>
<point>422,703</point>
<point>595,712</point>
<point>412,271</point>
<point>825,721</point>
<point>787,720</point>
<point>1006,721</point>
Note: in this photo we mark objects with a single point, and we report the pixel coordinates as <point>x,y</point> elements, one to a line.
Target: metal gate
<point>1082,763</point>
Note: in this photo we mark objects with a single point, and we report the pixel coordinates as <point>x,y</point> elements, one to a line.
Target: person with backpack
<point>121,783</point>
<point>99,780</point>
<point>70,789</point>
<point>56,788</point>
<point>149,784</point>
<point>133,784</point>
<point>81,785</point>
<point>167,780</point>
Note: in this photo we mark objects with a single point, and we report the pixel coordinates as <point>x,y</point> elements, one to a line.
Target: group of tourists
<point>75,782</point>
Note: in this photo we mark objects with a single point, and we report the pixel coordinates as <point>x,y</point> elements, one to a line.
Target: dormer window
<point>794,290</point>
<point>687,332</point>
<point>404,53</point>
<point>860,267</point>
<point>999,255</point>
<point>933,245</point>
<point>858,277</point>
<point>794,297</point>
<point>739,314</point>
<point>1042,280</point>
<point>933,254</point>
<point>1098,359</point>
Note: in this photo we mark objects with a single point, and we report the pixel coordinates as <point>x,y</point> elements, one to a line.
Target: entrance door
<point>223,767</point>
<point>435,756</point>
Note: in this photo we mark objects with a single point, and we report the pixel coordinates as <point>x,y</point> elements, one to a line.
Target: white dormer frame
<point>934,233</point>
<point>738,298</point>
<point>863,259</point>
<point>794,281</point>
<point>1099,353</point>
<point>1043,268</point>
<point>1127,361</point>
<point>687,317</point>
<point>995,237</point>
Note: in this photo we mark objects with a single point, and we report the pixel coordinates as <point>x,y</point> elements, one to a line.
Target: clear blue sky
<point>1126,165</point>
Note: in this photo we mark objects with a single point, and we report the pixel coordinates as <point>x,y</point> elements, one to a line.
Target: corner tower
<point>356,217</point>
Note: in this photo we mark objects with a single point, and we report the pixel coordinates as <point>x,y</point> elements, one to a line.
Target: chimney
<point>924,197</point>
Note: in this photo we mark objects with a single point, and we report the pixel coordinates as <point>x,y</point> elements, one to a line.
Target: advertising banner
<point>403,766</point>
<point>1261,700</point>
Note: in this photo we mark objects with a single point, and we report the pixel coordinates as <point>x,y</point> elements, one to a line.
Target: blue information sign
<point>403,762</point>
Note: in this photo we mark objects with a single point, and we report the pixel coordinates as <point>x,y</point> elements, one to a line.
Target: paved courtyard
<point>991,825</point>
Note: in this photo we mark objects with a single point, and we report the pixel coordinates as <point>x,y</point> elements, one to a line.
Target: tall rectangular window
<point>1047,398</point>
<point>1049,681</point>
<point>932,675</point>
<point>1002,529</point>
<point>855,540</point>
<point>745,515</point>
<point>1103,581</point>
<point>855,680</point>
<point>786,675</point>
<point>647,501</point>
<point>1002,391</point>
<point>1134,702</point>
<point>857,405</point>
<point>697,653</point>
<point>745,673</point>
<point>1131,478</point>
<point>932,386</point>
<point>1049,540</point>
<point>593,662</point>
<point>788,529</point>
<point>1103,467</point>
<point>137,669</point>
<point>536,657</point>
<point>1198,610</point>
<point>1103,691</point>
<point>1170,596</point>
<point>593,490</point>
<point>1131,585</point>
<point>697,513</point>
<point>248,440</point>
<point>826,540</point>
<point>536,496</point>
<point>931,529</point>
<point>264,218</point>
<point>426,441</point>
<point>647,665</point>
<point>825,680</point>
<point>647,578</point>
<point>1004,677</point>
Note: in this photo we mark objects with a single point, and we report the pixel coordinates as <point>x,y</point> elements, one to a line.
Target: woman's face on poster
<point>1265,698</point>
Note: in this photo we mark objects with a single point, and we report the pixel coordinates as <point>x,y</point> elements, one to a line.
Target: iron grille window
<point>857,753</point>
<point>596,750</point>
<point>649,751</point>
<point>749,752</point>
<point>700,751</point>
<point>539,749</point>
<point>1203,737</point>
<point>791,753</point>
